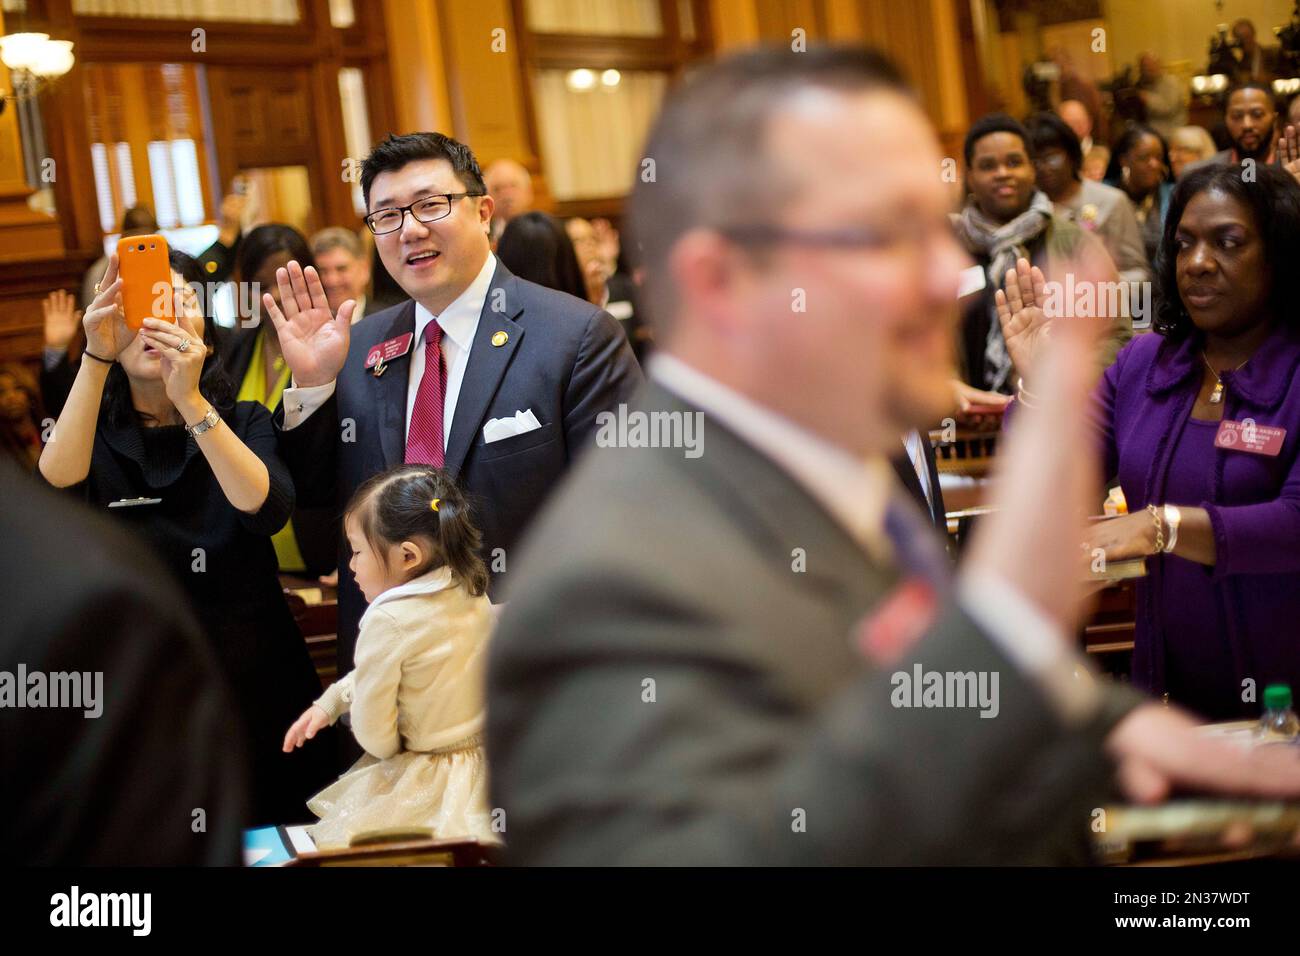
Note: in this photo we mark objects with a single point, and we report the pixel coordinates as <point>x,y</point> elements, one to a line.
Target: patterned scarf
<point>1002,245</point>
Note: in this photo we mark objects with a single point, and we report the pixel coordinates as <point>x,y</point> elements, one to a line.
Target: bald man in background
<point>511,187</point>
<point>1076,116</point>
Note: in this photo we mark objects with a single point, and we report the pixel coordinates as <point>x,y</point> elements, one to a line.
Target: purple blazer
<point>1146,398</point>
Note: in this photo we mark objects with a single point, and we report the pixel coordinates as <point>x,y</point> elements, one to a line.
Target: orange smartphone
<point>146,280</point>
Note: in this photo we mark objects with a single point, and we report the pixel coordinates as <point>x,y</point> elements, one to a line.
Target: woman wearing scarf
<point>1006,217</point>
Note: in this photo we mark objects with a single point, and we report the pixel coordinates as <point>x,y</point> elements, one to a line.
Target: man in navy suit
<point>493,378</point>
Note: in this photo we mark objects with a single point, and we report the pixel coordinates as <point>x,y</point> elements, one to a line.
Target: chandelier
<point>34,61</point>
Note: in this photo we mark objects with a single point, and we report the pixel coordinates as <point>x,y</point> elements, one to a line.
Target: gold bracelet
<point>1160,527</point>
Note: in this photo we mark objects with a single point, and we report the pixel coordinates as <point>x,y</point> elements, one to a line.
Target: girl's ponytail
<point>413,502</point>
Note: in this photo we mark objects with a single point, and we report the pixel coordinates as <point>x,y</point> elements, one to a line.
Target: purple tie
<point>424,438</point>
<point>916,546</point>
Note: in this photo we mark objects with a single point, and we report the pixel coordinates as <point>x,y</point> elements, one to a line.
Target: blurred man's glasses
<point>428,209</point>
<point>846,238</point>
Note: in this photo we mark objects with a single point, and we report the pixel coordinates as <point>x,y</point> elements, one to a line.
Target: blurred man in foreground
<point>715,649</point>
<point>143,767</point>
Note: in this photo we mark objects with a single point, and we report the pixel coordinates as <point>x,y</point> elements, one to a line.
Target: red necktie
<point>424,438</point>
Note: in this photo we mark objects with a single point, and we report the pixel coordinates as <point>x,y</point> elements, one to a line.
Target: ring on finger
<point>183,346</point>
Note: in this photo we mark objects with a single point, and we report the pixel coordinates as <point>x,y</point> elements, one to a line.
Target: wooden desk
<point>315,607</point>
<point>402,853</point>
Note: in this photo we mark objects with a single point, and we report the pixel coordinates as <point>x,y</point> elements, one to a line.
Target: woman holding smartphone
<point>150,431</point>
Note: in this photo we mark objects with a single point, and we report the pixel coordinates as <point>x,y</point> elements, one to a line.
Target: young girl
<point>416,693</point>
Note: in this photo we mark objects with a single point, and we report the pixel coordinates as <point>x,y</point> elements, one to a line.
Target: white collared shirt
<point>855,492</point>
<point>459,323</point>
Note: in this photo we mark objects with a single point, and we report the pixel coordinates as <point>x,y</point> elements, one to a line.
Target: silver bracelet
<point>1024,395</point>
<point>209,421</point>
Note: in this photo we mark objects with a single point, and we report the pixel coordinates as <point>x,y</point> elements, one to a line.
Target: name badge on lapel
<point>1247,436</point>
<point>380,355</point>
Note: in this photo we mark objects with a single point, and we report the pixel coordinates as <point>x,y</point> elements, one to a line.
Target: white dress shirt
<point>459,322</point>
<point>855,492</point>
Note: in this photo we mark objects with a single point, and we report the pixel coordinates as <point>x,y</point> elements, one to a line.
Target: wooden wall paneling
<point>379,95</point>
<point>304,124</point>
<point>331,147</point>
<point>138,105</point>
<point>331,141</point>
<point>486,87</point>
<point>978,95</point>
<point>734,23</point>
<point>194,108</point>
<point>23,286</point>
<point>778,19</point>
<point>267,118</point>
<point>923,38</point>
<point>24,232</point>
<point>525,50</point>
<point>418,67</point>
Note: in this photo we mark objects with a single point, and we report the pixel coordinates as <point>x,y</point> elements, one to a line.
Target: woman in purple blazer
<point>1201,425</point>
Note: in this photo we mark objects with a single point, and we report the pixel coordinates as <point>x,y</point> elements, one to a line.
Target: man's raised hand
<point>313,340</point>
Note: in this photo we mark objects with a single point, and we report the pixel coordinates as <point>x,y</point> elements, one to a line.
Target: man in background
<point>491,377</point>
<point>1255,63</point>
<point>1162,95</point>
<point>511,187</point>
<point>344,268</point>
<point>1250,117</point>
<point>1076,117</point>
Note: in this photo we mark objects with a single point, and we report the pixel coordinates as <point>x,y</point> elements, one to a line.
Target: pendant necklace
<point>1216,396</point>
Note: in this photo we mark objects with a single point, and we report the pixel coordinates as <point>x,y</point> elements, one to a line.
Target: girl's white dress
<point>416,696</point>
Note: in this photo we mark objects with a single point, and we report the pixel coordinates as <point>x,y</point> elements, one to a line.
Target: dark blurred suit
<point>652,567</point>
<point>932,506</point>
<point>119,789</point>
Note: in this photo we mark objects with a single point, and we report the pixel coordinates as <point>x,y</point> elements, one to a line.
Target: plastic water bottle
<point>1279,723</point>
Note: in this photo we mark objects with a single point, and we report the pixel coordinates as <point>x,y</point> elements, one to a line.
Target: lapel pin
<point>499,339</point>
<point>380,368</point>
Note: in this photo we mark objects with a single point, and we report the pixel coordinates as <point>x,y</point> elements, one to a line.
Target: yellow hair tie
<point>434,503</point>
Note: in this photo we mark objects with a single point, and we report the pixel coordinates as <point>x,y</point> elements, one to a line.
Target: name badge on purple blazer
<point>1247,436</point>
<point>380,355</point>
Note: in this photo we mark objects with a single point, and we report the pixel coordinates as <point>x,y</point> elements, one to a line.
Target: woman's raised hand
<point>1288,151</point>
<point>181,368</point>
<point>1021,314</point>
<point>61,318</point>
<point>105,322</point>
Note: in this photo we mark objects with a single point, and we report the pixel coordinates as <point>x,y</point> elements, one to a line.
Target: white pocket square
<point>517,424</point>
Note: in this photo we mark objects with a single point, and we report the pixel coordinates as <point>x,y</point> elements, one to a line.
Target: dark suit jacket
<point>119,789</point>
<point>666,687</point>
<point>564,358</point>
<point>907,475</point>
<point>316,529</point>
